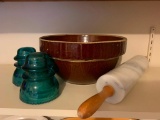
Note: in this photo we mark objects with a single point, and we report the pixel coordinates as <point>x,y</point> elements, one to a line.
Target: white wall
<point>22,23</point>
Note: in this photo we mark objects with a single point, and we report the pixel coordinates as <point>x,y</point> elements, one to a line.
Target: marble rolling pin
<point>113,86</point>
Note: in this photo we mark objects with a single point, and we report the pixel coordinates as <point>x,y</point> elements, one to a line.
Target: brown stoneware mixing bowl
<point>81,59</point>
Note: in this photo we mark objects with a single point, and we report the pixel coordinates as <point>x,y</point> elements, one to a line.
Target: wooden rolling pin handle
<point>90,106</point>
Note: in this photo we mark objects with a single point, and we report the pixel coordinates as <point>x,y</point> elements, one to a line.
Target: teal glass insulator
<point>23,52</point>
<point>17,76</point>
<point>20,58</point>
<point>39,84</point>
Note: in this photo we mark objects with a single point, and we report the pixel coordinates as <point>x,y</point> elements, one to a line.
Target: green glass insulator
<point>20,58</point>
<point>39,83</point>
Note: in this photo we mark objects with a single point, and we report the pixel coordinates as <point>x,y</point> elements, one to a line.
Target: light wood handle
<point>90,106</point>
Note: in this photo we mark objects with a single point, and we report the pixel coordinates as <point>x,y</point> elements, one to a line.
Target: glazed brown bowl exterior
<point>83,47</point>
<point>82,59</point>
<point>84,72</point>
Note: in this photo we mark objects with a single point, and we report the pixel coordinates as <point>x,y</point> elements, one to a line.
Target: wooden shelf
<point>142,102</point>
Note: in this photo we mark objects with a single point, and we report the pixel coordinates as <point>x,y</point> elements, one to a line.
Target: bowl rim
<point>123,39</point>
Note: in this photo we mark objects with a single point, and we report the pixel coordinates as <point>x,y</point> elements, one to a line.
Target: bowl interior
<point>81,38</point>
